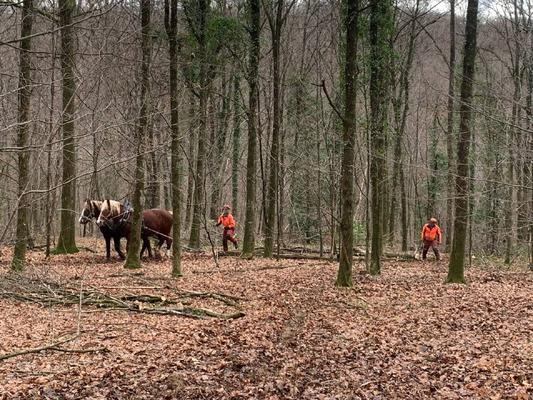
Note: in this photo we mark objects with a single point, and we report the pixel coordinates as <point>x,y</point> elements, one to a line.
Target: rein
<point>109,221</point>
<point>159,233</point>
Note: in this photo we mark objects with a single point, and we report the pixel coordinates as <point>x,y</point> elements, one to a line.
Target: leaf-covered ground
<point>403,334</point>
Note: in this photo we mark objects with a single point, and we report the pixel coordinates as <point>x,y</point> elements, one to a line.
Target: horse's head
<point>108,211</point>
<point>91,210</point>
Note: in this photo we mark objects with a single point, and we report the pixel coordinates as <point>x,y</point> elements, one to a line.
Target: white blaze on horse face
<point>100,220</point>
<point>85,213</point>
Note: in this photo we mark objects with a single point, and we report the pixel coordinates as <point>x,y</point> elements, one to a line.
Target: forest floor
<point>404,334</point>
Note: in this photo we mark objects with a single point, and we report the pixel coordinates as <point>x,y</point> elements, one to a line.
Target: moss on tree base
<point>64,250</point>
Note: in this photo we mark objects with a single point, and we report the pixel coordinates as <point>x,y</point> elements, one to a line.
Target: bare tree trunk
<point>219,154</point>
<point>152,188</point>
<point>67,235</point>
<point>199,190</point>
<point>253,105</point>
<point>49,148</point>
<point>432,167</point>
<point>450,132</point>
<point>344,275</point>
<point>272,187</point>
<point>24,123</point>
<point>380,24</point>
<point>236,146</point>
<point>190,174</point>
<point>171,26</point>
<point>457,257</point>
<point>134,244</point>
<point>402,102</point>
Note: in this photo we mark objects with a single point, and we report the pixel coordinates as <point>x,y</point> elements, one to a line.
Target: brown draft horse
<point>156,223</point>
<point>91,211</point>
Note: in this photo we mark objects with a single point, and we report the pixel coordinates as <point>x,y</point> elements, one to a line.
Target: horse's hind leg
<point>159,244</point>
<point>146,246</point>
<point>169,246</point>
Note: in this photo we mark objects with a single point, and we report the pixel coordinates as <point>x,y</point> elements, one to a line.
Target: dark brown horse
<point>155,223</point>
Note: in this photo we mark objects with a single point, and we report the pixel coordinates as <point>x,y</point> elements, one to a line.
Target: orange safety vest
<point>430,234</point>
<point>227,221</point>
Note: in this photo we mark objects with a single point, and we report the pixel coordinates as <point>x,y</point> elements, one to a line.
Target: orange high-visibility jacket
<point>431,234</point>
<point>227,221</point>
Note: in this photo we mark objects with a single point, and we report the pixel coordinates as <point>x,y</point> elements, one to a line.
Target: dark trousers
<point>430,244</point>
<point>228,235</point>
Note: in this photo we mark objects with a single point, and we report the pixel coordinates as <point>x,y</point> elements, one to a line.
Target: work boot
<point>236,245</point>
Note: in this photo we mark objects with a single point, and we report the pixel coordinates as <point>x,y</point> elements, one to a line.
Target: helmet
<point>434,220</point>
<point>226,207</point>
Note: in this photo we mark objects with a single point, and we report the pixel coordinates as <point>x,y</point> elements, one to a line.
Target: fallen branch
<point>133,287</point>
<point>50,294</point>
<point>50,346</point>
<point>93,350</point>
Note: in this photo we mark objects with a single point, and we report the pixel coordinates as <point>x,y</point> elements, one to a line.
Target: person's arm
<point>422,233</point>
<point>439,235</point>
<point>219,221</point>
<point>231,222</point>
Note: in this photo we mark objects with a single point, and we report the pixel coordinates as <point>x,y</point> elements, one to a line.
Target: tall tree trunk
<point>219,153</point>
<point>152,188</point>
<point>273,185</point>
<point>450,132</point>
<point>236,146</point>
<point>191,154</point>
<point>171,26</point>
<point>199,189</point>
<point>511,212</point>
<point>49,147</point>
<point>432,166</point>
<point>134,243</point>
<point>401,103</point>
<point>344,275</point>
<point>404,222</point>
<point>253,105</point>
<point>380,24</point>
<point>457,257</point>
<point>67,234</point>
<point>24,119</point>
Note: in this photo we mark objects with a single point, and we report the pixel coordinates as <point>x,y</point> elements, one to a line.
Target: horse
<point>156,223</point>
<point>91,211</point>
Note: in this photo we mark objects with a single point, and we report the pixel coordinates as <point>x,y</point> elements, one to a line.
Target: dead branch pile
<point>47,294</point>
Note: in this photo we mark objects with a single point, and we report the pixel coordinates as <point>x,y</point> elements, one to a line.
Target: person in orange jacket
<point>228,222</point>
<point>431,236</point>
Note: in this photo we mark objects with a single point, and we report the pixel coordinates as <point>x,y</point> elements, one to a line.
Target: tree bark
<point>199,189</point>
<point>456,265</point>
<point>344,275</point>
<point>24,120</point>
<point>171,26</point>
<point>190,173</point>
<point>401,110</point>
<point>276,24</point>
<point>236,146</point>
<point>253,105</point>
<point>66,242</point>
<point>450,139</point>
<point>134,244</point>
<point>380,24</point>
<point>153,198</point>
<point>219,153</point>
